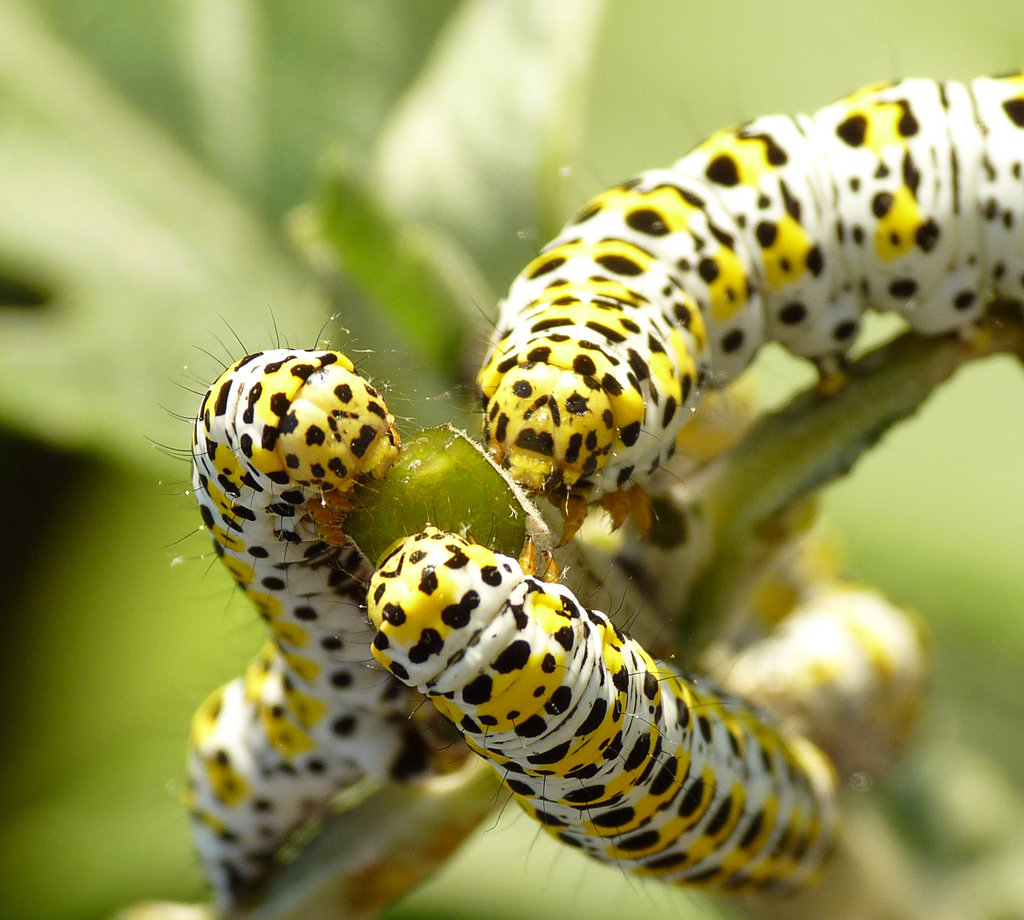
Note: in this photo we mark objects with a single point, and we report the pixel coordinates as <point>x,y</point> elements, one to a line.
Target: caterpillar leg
<point>976,336</point>
<point>632,503</point>
<point>574,510</point>
<point>832,375</point>
<point>528,562</point>
<point>328,513</point>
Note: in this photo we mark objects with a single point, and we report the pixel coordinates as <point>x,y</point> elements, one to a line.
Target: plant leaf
<point>475,146</point>
<point>119,253</point>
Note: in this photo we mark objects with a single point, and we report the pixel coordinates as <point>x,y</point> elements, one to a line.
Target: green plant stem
<point>747,497</point>
<point>367,857</point>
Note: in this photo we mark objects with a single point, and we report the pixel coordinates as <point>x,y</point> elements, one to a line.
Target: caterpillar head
<point>432,600</point>
<point>338,430</point>
<point>318,423</point>
<point>554,419</point>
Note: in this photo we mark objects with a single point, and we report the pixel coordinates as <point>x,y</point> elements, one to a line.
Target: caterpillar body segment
<point>611,751</point>
<point>905,197</point>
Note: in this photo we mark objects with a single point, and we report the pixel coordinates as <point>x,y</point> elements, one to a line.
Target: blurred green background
<point>182,181</point>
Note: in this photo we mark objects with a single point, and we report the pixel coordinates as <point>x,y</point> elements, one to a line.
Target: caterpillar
<point>281,435</point>
<point>607,749</point>
<point>905,197</point>
<point>846,668</point>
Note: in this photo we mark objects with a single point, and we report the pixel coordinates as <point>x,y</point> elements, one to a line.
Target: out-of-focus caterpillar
<point>846,668</point>
<point>609,750</point>
<point>279,436</point>
<point>905,197</point>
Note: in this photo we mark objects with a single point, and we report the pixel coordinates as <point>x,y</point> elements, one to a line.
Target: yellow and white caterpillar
<point>279,434</point>
<point>610,751</point>
<point>905,197</point>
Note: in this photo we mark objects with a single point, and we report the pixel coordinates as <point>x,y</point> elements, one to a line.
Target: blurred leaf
<point>334,71</point>
<point>420,287</point>
<point>129,251</point>
<point>111,654</point>
<point>257,89</point>
<point>476,145</point>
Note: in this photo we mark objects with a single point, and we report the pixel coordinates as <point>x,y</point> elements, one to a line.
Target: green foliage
<point>440,478</point>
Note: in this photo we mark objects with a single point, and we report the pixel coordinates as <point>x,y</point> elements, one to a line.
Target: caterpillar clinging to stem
<point>279,435</point>
<point>905,197</point>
